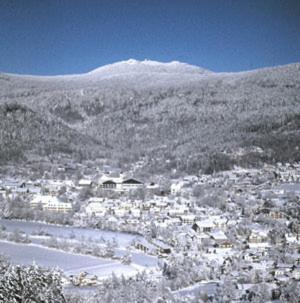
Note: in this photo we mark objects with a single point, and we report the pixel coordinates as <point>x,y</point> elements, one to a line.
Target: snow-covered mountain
<point>173,111</point>
<point>132,73</point>
<point>146,66</point>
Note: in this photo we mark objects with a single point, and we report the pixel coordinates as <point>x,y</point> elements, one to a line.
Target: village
<point>242,224</point>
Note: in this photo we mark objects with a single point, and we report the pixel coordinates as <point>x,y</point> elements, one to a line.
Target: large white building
<point>131,184</point>
<point>118,184</point>
<point>48,202</point>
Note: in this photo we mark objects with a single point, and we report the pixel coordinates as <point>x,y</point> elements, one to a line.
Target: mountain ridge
<point>189,119</point>
<point>146,62</point>
<point>127,66</point>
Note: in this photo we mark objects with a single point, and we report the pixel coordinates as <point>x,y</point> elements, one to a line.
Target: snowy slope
<point>146,66</point>
<point>165,110</point>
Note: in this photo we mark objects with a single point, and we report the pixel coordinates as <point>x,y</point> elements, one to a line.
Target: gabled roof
<point>132,181</point>
<point>109,182</point>
<point>160,244</point>
<point>12,183</point>
<point>145,243</point>
<point>218,235</point>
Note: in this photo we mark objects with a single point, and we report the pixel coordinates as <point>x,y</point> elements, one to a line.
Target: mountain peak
<point>131,61</point>
<point>151,62</point>
<point>147,66</point>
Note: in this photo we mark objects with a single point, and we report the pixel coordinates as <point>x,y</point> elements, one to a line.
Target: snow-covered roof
<point>161,244</point>
<point>105,179</point>
<point>205,223</point>
<point>85,182</point>
<point>96,199</point>
<point>218,235</point>
<point>188,217</point>
<point>145,243</point>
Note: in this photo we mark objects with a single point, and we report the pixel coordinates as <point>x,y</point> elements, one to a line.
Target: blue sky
<point>73,36</point>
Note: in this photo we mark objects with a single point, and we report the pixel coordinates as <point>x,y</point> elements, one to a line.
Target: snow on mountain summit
<point>147,66</point>
<point>126,68</point>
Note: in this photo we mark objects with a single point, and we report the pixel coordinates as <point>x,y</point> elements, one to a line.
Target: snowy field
<point>68,262</point>
<point>123,239</point>
<point>72,263</point>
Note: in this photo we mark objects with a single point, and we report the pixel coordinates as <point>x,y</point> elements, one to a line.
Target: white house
<point>95,208</point>
<point>176,188</point>
<point>258,236</point>
<point>85,183</point>
<point>187,219</point>
<point>155,247</point>
<point>296,273</point>
<point>135,212</point>
<point>220,222</point>
<point>41,200</point>
<point>178,210</point>
<point>52,186</point>
<point>12,184</point>
<point>206,225</point>
<point>120,212</point>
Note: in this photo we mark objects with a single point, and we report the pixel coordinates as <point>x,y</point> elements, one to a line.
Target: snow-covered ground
<point>70,263</point>
<point>290,187</point>
<point>122,239</point>
<point>208,287</point>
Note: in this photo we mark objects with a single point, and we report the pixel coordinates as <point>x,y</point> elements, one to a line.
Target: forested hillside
<point>171,115</point>
<point>24,132</point>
